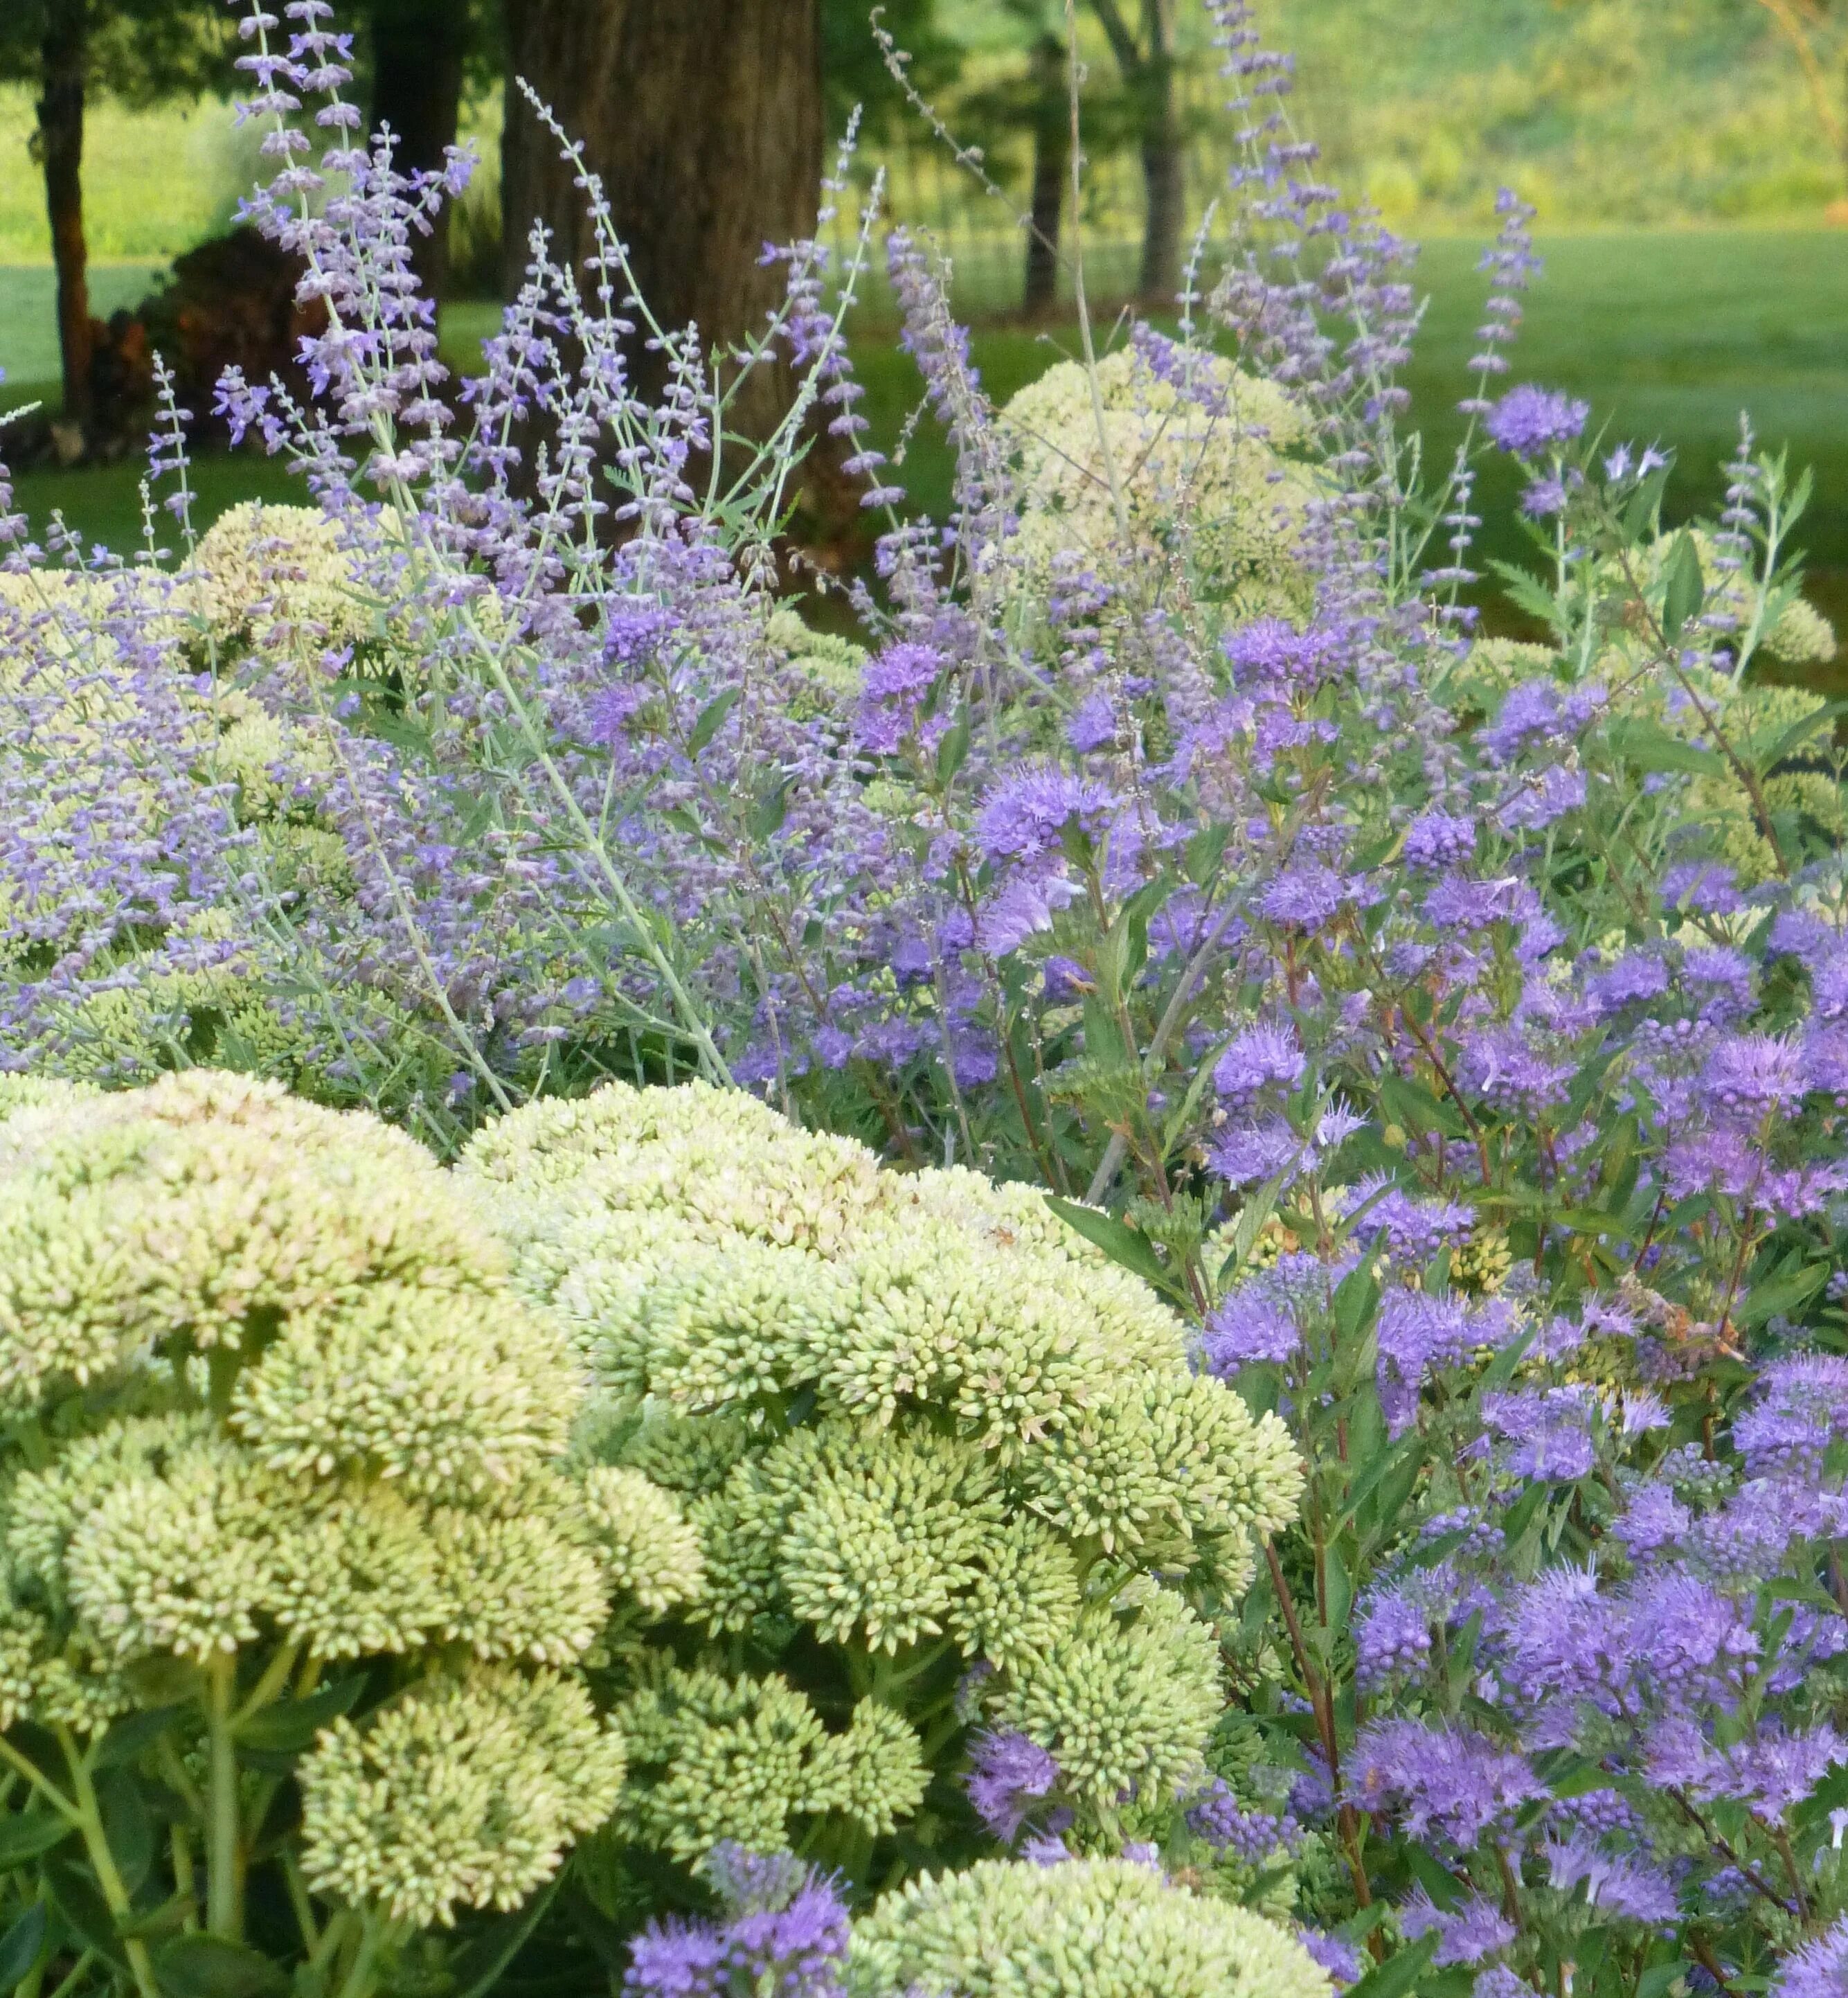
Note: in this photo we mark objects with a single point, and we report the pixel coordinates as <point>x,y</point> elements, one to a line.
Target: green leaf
<point>1797,731</point>
<point>203,1966</point>
<point>953,749</point>
<point>86,1914</point>
<point>1643,504</point>
<point>711,719</point>
<point>1397,1975</point>
<point>1252,1218</point>
<point>1651,748</point>
<point>134,1733</point>
<point>127,1825</point>
<point>1683,589</point>
<point>291,1724</point>
<point>1656,1980</point>
<point>1120,1243</point>
<point>1340,1591</point>
<point>1784,1294</point>
<point>1414,1107</point>
<point>1527,592</point>
<point>33,1832</point>
<point>769,810</point>
<point>476,1969</point>
<point>20,1946</point>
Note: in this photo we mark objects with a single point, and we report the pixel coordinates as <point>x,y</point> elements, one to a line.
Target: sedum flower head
<point>1084,1928</point>
<point>1123,1704</point>
<point>718,1758</point>
<point>641,1539</point>
<point>463,1791</point>
<point>911,1414</point>
<point>286,1396</point>
<point>1202,459</point>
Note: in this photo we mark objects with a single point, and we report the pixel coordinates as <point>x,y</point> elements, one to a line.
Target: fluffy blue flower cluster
<point>1454,1030</point>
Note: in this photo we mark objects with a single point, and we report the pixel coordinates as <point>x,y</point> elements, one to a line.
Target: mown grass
<point>1668,336</point>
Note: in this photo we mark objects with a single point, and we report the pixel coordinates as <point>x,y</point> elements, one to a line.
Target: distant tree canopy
<point>139,50</point>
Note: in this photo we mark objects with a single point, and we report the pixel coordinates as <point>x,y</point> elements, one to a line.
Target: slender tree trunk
<point>704,119</point>
<point>64,55</point>
<point>1052,164</point>
<point>418,47</point>
<point>1164,181</point>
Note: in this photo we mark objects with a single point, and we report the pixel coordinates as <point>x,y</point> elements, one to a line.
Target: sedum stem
<point>224,1855</point>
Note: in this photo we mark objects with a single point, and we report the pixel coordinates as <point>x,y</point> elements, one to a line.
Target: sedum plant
<point>1090,1928</point>
<point>956,1483</point>
<point>299,1581</point>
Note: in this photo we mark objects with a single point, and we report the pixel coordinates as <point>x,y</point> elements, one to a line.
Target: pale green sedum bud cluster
<point>1203,469</point>
<point>914,1417</point>
<point>277,1409</point>
<point>1095,1928</point>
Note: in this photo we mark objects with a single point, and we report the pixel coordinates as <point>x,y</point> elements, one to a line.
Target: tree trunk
<point>1052,164</point>
<point>1164,181</point>
<point>418,47</point>
<point>64,55</point>
<point>704,119</point>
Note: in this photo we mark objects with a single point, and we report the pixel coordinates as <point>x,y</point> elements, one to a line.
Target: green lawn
<point>1668,335</point>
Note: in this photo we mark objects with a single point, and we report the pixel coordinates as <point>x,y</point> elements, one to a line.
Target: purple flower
<point>1528,421</point>
<point>1543,498</point>
<point>1754,1073</point>
<point>1817,1969</point>
<point>1505,1070</point>
<point>1825,1064</point>
<point>1437,839</point>
<point>1775,1771</point>
<point>1393,1638</point>
<point>1539,712</point>
<point>1246,1153</point>
<point>1340,1960</point>
<point>1417,1332</point>
<point>1828,985</point>
<point>1247,1327</point>
<point>1025,816</point>
<point>1635,977</point>
<point>1544,799</point>
<point>1703,885</point>
<point>1467,1934</point>
<point>1451,1782</point>
<point>1499,1982</point>
<point>1306,895</point>
<point>1654,1519</point>
<point>1094,726</point>
<point>1459,902</point>
<point>1800,1408</point>
<point>1008,1775</point>
<point>1252,1836</point>
<point>1023,905</point>
<point>1065,981</point>
<point>893,684</point>
<point>784,1929</point>
<point>1551,1427</point>
<point>1263,1057</point>
<point>1263,1318</point>
<point>1631,1888</point>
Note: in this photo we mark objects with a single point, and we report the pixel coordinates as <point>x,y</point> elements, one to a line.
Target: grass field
<point>1668,335</point>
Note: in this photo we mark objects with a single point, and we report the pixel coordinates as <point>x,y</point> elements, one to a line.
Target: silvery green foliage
<point>300,1579</point>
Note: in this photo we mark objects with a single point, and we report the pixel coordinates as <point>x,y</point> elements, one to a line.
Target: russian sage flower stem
<point>711,1061</point>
